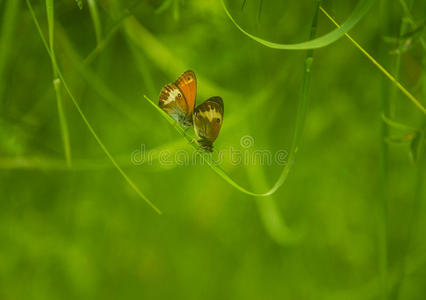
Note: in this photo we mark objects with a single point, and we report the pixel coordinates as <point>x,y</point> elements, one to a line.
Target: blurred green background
<point>349,222</point>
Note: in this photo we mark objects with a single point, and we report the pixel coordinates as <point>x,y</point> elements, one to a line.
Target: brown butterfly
<point>207,119</point>
<point>178,99</point>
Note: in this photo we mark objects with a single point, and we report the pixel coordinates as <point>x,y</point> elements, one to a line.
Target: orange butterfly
<point>178,99</point>
<point>208,119</point>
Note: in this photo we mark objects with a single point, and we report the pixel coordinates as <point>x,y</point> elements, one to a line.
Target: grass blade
<point>360,10</point>
<point>301,113</point>
<point>83,116</point>
<point>397,125</point>
<point>214,167</point>
<point>94,13</point>
<point>63,122</point>
<point>97,84</point>
<point>302,108</point>
<point>57,83</point>
<point>273,221</point>
<point>420,166</point>
<point>410,19</point>
<point>376,63</point>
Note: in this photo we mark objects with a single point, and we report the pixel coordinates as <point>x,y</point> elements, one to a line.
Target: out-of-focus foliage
<point>348,223</point>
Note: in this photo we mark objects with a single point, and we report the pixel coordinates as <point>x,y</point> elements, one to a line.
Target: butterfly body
<point>207,120</point>
<point>178,99</point>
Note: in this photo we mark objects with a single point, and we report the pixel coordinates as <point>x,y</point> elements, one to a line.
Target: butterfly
<point>207,120</point>
<point>178,99</point>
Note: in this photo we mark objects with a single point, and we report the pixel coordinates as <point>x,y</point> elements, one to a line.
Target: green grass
<point>96,20</point>
<point>344,218</point>
<point>8,25</point>
<point>77,106</point>
<point>57,84</point>
<point>303,104</point>
<point>95,82</point>
<point>313,43</point>
<point>387,74</point>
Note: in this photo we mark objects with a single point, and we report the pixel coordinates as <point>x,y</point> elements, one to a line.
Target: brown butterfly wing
<point>187,83</point>
<point>208,119</point>
<point>173,102</point>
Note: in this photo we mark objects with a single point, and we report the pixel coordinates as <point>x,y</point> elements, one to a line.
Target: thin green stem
<point>410,19</point>
<point>397,68</point>
<point>94,13</point>
<point>97,84</point>
<point>420,167</point>
<point>273,221</point>
<point>397,125</point>
<point>296,138</point>
<point>83,116</point>
<point>413,99</point>
<point>360,10</point>
<point>57,83</point>
<point>63,122</point>
<point>414,218</point>
<point>301,112</point>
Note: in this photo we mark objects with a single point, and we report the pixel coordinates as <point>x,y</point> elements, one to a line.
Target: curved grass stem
<point>83,116</point>
<point>300,121</point>
<point>296,137</point>
<point>270,216</point>
<point>360,10</point>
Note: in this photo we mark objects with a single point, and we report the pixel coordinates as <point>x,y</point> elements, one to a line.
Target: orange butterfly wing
<point>178,99</point>
<point>187,83</point>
